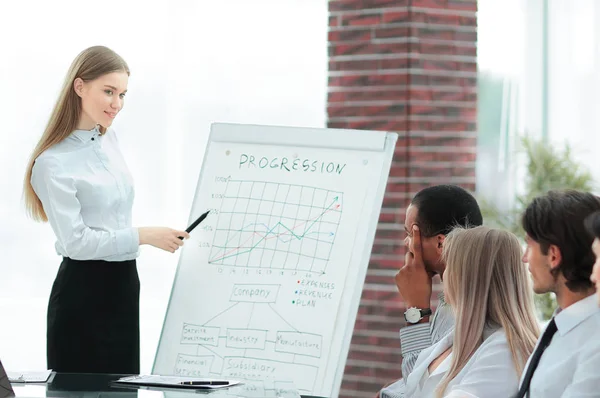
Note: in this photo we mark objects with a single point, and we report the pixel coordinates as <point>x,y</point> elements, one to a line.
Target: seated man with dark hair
<point>592,223</point>
<point>432,214</point>
<point>566,359</point>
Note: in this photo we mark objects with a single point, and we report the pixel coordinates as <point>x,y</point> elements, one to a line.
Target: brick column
<point>407,66</point>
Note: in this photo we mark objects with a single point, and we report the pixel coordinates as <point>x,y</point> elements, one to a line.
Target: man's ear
<point>555,256</point>
<point>440,243</point>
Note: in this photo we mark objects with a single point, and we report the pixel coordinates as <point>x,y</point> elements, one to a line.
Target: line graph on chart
<point>279,226</point>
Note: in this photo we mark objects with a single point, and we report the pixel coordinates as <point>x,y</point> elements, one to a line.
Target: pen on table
<point>205,383</point>
<point>195,223</point>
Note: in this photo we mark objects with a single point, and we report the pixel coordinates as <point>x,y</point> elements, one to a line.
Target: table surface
<point>87,385</point>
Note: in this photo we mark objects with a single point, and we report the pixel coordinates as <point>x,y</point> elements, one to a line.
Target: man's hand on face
<point>413,280</point>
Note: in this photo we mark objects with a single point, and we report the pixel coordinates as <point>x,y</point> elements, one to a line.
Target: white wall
<point>192,63</point>
<point>574,80</point>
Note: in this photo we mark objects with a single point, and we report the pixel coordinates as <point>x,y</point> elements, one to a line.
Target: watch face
<point>412,315</point>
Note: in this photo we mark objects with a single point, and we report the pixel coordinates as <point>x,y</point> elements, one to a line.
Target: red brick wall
<point>407,66</point>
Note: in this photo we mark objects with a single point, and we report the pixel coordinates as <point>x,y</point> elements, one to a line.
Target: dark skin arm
<point>413,280</point>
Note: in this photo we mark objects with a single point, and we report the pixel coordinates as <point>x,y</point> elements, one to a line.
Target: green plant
<point>548,167</point>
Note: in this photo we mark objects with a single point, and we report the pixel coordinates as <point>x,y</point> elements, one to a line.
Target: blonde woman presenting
<point>78,181</point>
<point>486,285</point>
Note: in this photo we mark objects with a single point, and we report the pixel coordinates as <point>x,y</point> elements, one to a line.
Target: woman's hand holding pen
<point>166,238</point>
<point>162,237</point>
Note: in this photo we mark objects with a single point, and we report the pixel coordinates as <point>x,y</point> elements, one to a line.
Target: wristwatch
<point>414,314</point>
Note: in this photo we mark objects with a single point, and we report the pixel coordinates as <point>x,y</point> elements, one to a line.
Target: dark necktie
<point>535,358</point>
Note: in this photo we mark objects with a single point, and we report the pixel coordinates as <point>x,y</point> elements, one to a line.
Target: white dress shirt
<point>87,193</point>
<point>570,365</point>
<point>490,373</point>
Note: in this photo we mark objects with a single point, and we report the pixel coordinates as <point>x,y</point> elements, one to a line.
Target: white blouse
<point>87,193</point>
<point>490,373</point>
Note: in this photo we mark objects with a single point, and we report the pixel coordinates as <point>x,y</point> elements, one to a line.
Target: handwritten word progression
<point>287,164</point>
<point>201,335</point>
<point>193,365</point>
<point>246,368</point>
<point>246,338</point>
<point>307,344</point>
<point>254,293</point>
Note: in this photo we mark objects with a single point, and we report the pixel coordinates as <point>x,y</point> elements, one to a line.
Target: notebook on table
<point>30,377</point>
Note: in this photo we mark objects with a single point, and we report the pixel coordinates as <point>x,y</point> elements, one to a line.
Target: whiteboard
<point>268,286</point>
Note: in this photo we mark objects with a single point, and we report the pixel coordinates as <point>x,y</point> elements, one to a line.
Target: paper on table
<point>29,377</point>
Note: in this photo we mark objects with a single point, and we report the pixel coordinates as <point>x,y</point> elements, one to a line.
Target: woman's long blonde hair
<point>487,283</point>
<point>90,64</point>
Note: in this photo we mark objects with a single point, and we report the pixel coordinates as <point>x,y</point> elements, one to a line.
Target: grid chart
<point>276,226</point>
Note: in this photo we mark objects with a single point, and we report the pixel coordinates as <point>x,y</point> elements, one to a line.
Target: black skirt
<point>93,318</point>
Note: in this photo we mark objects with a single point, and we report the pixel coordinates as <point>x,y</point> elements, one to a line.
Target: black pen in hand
<point>205,383</point>
<point>195,223</point>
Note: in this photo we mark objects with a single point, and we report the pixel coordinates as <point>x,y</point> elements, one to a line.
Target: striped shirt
<point>416,338</point>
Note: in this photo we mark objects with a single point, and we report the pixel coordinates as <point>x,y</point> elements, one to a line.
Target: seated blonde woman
<point>487,287</point>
